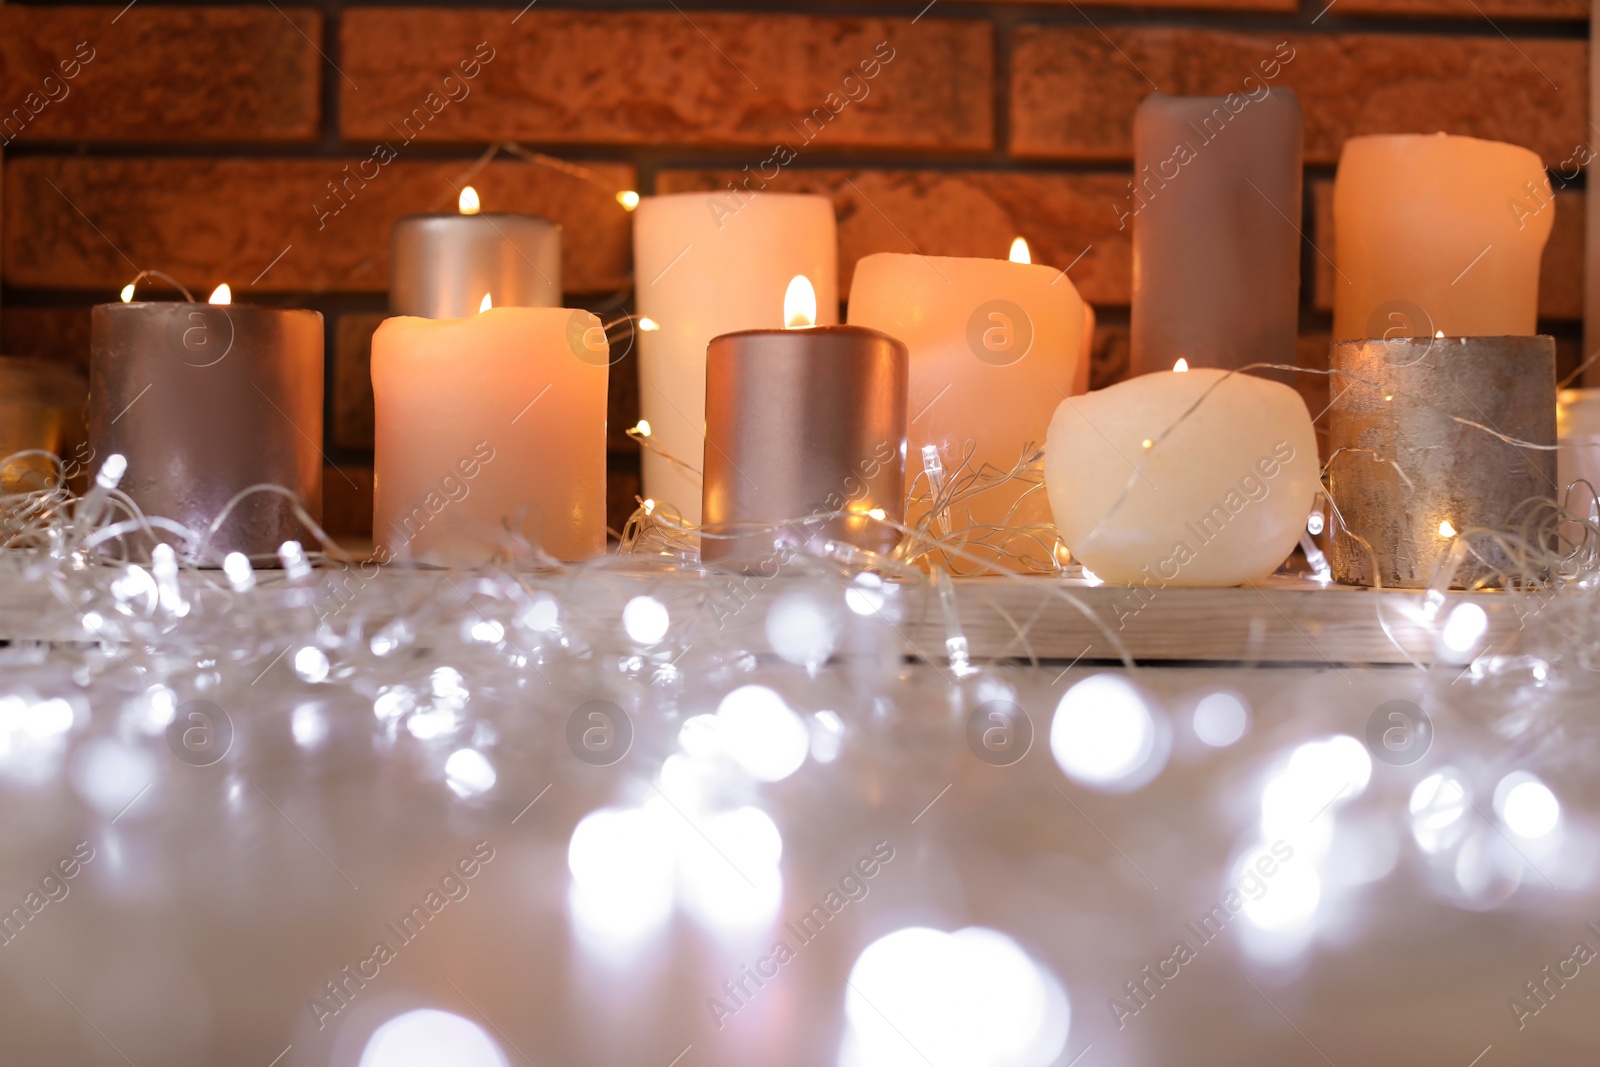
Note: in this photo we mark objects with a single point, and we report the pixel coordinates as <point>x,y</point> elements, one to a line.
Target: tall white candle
<point>707,264</point>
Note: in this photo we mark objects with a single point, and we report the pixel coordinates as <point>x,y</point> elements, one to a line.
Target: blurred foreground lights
<point>1220,719</point>
<point>1104,735</point>
<point>827,735</point>
<point>468,773</point>
<point>972,998</point>
<point>865,595</point>
<point>110,775</point>
<point>622,867</point>
<point>311,664</point>
<point>1438,804</point>
<point>542,614</point>
<point>729,879</point>
<point>803,629</point>
<point>1296,802</point>
<point>761,733</point>
<point>429,1037</point>
<point>645,619</point>
<point>236,565</point>
<point>309,726</point>
<point>1463,630</point>
<point>1526,805</point>
<point>1286,901</point>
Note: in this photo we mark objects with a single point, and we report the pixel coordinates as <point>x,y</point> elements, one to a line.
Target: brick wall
<point>201,140</point>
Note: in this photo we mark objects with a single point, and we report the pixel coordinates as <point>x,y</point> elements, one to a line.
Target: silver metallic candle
<point>1412,463</point>
<point>802,424</point>
<point>441,266</point>
<point>204,400</point>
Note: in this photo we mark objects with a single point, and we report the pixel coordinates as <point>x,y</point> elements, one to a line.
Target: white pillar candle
<point>1196,478</point>
<point>995,346</point>
<point>487,425</point>
<point>707,264</point>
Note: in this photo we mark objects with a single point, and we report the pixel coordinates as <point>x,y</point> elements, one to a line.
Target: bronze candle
<point>1407,473</point>
<point>204,400</point>
<point>802,424</point>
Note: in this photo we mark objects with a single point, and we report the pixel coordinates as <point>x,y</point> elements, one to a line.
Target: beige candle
<point>707,264</point>
<point>995,346</point>
<point>1197,478</point>
<point>1438,234</point>
<point>486,427</point>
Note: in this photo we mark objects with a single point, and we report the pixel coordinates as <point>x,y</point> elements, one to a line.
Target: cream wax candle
<point>1197,478</point>
<point>489,427</point>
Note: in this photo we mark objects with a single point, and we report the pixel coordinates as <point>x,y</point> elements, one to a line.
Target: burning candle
<point>1216,240</point>
<point>805,429</point>
<point>441,265</point>
<point>706,265</point>
<point>489,428</point>
<point>206,400</point>
<point>1436,234</point>
<point>995,345</point>
<point>1185,478</point>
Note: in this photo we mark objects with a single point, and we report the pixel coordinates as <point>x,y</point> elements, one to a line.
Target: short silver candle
<point>204,400</point>
<point>441,266</point>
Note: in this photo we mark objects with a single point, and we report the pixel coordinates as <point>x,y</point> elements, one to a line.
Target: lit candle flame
<point>468,202</point>
<point>1182,366</point>
<point>1019,251</point>
<point>628,199</point>
<point>799,303</point>
<point>221,295</point>
<point>648,325</point>
<point>485,304</point>
<point>1446,530</point>
<point>127,293</point>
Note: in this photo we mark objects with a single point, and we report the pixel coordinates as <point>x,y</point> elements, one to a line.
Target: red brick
<point>165,73</point>
<point>700,78</point>
<point>1467,9</point>
<point>1074,91</point>
<point>1560,268</point>
<point>84,223</point>
<point>966,213</point>
<point>352,380</point>
<point>59,334</point>
<point>347,501</point>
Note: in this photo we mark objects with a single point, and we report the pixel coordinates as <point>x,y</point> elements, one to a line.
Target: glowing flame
<point>485,304</point>
<point>648,325</point>
<point>221,295</point>
<point>628,199</point>
<point>1446,530</point>
<point>799,303</point>
<point>1019,251</point>
<point>1182,366</point>
<point>127,293</point>
<point>468,202</point>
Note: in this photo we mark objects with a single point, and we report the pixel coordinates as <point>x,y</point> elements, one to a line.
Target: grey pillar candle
<point>801,423</point>
<point>440,266</point>
<point>203,401</point>
<point>1215,209</point>
<point>1406,472</point>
